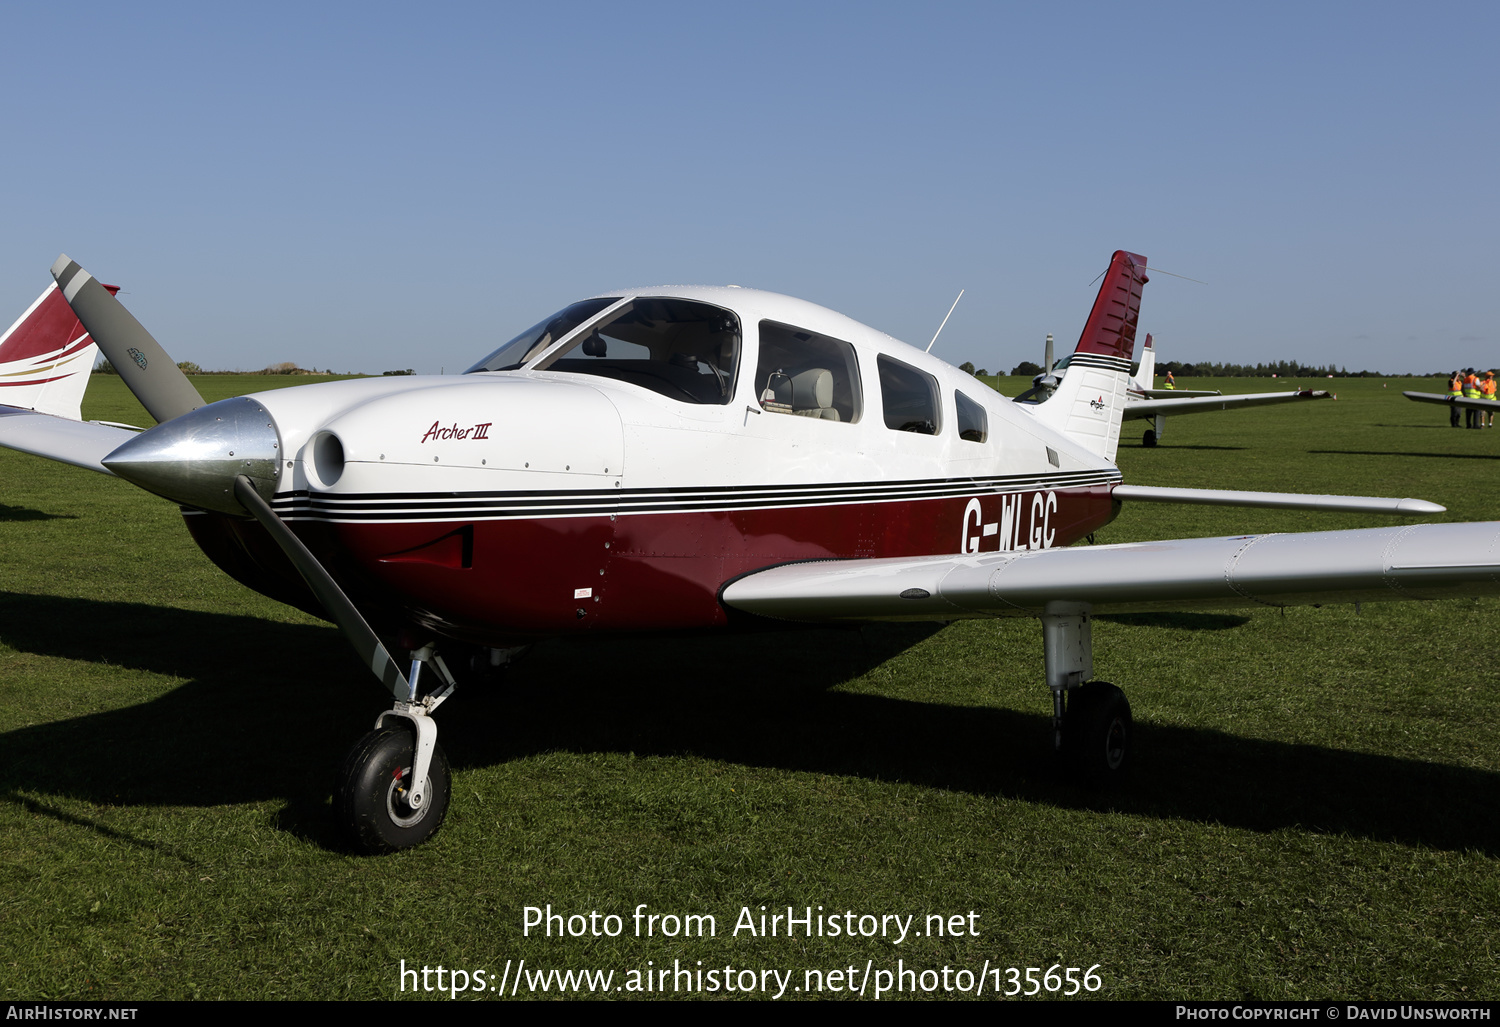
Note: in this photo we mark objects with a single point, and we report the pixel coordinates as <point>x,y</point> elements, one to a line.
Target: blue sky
<point>377,186</point>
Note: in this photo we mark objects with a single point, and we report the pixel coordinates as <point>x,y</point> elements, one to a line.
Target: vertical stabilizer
<point>1090,402</point>
<point>46,358</point>
<point>1145,377</point>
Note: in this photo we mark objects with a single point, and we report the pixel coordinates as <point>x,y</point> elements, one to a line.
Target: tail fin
<point>1145,377</point>
<point>46,357</point>
<point>1090,402</point>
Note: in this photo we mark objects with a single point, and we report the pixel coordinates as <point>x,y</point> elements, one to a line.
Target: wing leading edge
<point>1365,565</point>
<point>80,443</point>
<point>1457,401</point>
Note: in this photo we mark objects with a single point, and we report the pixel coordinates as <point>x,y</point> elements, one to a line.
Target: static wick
<point>945,320</point>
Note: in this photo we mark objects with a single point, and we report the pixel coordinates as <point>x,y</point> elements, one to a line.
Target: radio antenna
<point>945,321</point>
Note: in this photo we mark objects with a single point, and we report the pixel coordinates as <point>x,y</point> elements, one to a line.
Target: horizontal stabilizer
<point>80,443</point>
<point>1275,500</point>
<point>1181,404</point>
<point>1420,561</point>
<point>1175,393</point>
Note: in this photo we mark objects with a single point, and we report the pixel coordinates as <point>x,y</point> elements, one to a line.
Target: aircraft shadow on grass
<point>267,710</point>
<point>1409,427</point>
<point>1184,621</point>
<point>1424,456</point>
<point>22,513</point>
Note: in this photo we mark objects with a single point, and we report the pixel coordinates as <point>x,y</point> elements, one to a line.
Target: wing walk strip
<point>593,502</point>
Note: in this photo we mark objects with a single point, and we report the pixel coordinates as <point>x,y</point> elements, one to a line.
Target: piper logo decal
<point>473,433</point>
<point>1035,509</point>
<point>1097,404</point>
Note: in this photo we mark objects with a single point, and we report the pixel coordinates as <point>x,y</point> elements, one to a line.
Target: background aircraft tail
<point>1090,402</point>
<point>46,357</point>
<point>1145,377</point>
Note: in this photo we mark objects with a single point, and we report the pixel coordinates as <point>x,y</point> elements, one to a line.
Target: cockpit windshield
<point>535,340</point>
<point>682,349</point>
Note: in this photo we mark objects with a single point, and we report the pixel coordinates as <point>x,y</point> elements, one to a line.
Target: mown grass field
<point>1315,810</point>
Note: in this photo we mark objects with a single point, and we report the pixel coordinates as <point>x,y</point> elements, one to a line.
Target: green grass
<point>1315,811</point>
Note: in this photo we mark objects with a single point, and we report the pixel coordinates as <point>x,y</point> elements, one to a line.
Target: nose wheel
<point>373,803</point>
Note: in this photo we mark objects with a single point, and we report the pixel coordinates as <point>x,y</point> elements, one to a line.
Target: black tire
<point>1097,734</point>
<point>368,803</point>
<point>1149,439</point>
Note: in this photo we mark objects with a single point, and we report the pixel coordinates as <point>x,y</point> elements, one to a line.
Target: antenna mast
<point>945,321</point>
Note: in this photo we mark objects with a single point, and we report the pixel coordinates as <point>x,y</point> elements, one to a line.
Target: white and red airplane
<point>699,458</point>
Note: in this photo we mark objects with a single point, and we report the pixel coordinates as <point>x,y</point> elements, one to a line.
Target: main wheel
<point>1097,733</point>
<point>1149,439</point>
<point>370,803</point>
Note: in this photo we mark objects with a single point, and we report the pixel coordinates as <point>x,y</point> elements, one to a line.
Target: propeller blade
<point>356,630</point>
<point>1047,360</point>
<point>144,366</point>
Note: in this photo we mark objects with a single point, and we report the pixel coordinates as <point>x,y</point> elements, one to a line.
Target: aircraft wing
<point>80,443</point>
<point>1424,561</point>
<point>1458,401</point>
<point>1275,500</point>
<point>1195,404</point>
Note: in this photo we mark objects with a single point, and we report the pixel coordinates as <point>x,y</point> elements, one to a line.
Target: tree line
<point>1276,369</point>
<point>1279,368</point>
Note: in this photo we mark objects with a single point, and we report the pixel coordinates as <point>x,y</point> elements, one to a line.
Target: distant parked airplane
<point>46,357</point>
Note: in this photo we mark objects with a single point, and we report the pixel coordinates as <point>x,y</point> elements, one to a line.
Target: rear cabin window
<point>973,422</point>
<point>909,397</point>
<point>806,374</point>
<point>682,349</point>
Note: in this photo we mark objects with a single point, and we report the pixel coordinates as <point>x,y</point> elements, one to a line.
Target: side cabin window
<point>806,374</point>
<point>909,396</point>
<point>681,349</point>
<point>973,422</point>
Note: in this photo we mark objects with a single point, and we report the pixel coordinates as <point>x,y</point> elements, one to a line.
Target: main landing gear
<point>1153,434</point>
<point>1091,726</point>
<point>395,783</point>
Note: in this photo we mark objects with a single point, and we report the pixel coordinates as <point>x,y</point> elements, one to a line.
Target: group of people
<point>1471,385</point>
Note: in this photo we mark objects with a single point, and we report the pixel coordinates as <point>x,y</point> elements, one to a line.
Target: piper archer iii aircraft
<point>1143,401</point>
<point>699,458</point>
